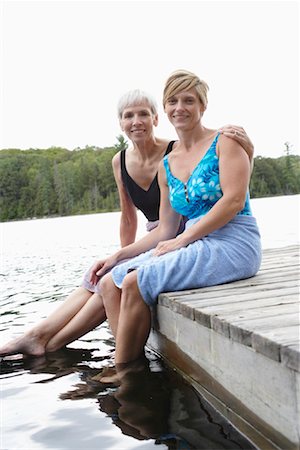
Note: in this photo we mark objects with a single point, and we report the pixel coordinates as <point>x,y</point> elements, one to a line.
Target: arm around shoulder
<point>239,135</point>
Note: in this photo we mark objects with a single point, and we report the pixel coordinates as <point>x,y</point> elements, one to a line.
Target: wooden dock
<point>238,344</point>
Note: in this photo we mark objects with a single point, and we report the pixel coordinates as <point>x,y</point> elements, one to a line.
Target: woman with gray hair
<point>135,170</point>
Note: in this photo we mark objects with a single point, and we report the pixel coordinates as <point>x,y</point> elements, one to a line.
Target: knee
<point>106,285</point>
<point>130,290</point>
<point>130,282</point>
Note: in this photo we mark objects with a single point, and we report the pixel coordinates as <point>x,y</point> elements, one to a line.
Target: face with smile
<point>137,121</point>
<point>184,109</point>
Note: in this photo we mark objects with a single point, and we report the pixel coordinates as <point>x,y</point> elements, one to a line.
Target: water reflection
<point>140,405</point>
<point>150,402</point>
<point>157,404</point>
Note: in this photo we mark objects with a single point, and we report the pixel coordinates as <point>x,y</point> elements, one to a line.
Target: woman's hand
<point>239,134</point>
<point>167,246</point>
<point>100,267</point>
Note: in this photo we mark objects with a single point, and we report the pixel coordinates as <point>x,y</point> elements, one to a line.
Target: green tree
<point>122,144</point>
<point>57,181</point>
<point>288,173</point>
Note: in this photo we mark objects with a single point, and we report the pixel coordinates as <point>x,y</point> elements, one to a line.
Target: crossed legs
<point>80,312</point>
<point>128,315</point>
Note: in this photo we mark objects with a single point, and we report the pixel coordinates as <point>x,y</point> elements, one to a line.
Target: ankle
<point>37,335</point>
<point>51,346</point>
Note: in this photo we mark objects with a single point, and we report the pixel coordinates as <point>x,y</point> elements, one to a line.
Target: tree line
<point>51,182</point>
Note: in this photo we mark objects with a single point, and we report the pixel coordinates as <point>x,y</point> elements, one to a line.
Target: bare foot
<point>28,344</point>
<point>107,376</point>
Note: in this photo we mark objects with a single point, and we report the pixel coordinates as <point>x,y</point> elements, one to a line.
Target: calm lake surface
<point>51,402</point>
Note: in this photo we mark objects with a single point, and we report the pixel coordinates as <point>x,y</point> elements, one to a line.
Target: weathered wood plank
<point>239,324</point>
<point>210,318</point>
<point>290,356</point>
<point>235,305</point>
<point>269,342</point>
<point>257,309</point>
<point>210,298</point>
<point>242,331</point>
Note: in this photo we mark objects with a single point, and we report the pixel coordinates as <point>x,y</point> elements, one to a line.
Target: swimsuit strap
<point>122,160</point>
<point>169,148</point>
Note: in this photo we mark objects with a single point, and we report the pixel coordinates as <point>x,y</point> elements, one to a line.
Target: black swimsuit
<point>147,201</point>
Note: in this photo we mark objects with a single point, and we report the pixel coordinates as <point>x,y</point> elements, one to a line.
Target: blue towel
<point>231,253</point>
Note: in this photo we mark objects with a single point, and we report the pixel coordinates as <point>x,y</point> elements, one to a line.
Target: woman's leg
<point>87,318</point>
<point>34,341</point>
<point>111,298</point>
<point>129,316</point>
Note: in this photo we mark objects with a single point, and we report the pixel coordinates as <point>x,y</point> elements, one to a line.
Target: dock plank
<point>272,295</point>
<point>242,331</point>
<point>269,342</point>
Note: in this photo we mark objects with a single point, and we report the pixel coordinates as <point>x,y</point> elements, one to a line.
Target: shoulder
<point>226,145</point>
<point>116,159</point>
<point>164,145</point>
<point>162,165</point>
<point>162,177</point>
<point>163,142</point>
<point>170,146</point>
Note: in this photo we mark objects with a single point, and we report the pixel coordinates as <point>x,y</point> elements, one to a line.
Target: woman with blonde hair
<point>205,178</point>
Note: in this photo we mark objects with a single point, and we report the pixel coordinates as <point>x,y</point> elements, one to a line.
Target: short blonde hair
<point>183,80</point>
<point>135,97</point>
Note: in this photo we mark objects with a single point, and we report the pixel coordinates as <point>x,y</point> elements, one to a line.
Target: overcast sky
<point>66,63</point>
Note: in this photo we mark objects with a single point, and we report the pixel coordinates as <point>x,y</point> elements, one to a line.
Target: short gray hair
<point>135,97</point>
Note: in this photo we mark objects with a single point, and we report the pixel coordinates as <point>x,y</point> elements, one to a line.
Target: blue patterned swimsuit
<point>202,190</point>
<point>232,252</point>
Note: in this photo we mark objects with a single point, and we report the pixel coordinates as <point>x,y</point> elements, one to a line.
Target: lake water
<point>51,402</point>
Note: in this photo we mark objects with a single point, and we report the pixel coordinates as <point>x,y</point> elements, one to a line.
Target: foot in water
<point>107,376</point>
<point>115,375</point>
<point>28,344</point>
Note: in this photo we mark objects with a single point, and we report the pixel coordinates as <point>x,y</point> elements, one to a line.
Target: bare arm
<point>128,221</point>
<point>239,135</point>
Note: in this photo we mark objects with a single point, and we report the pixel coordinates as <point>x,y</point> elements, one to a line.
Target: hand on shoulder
<point>239,135</point>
